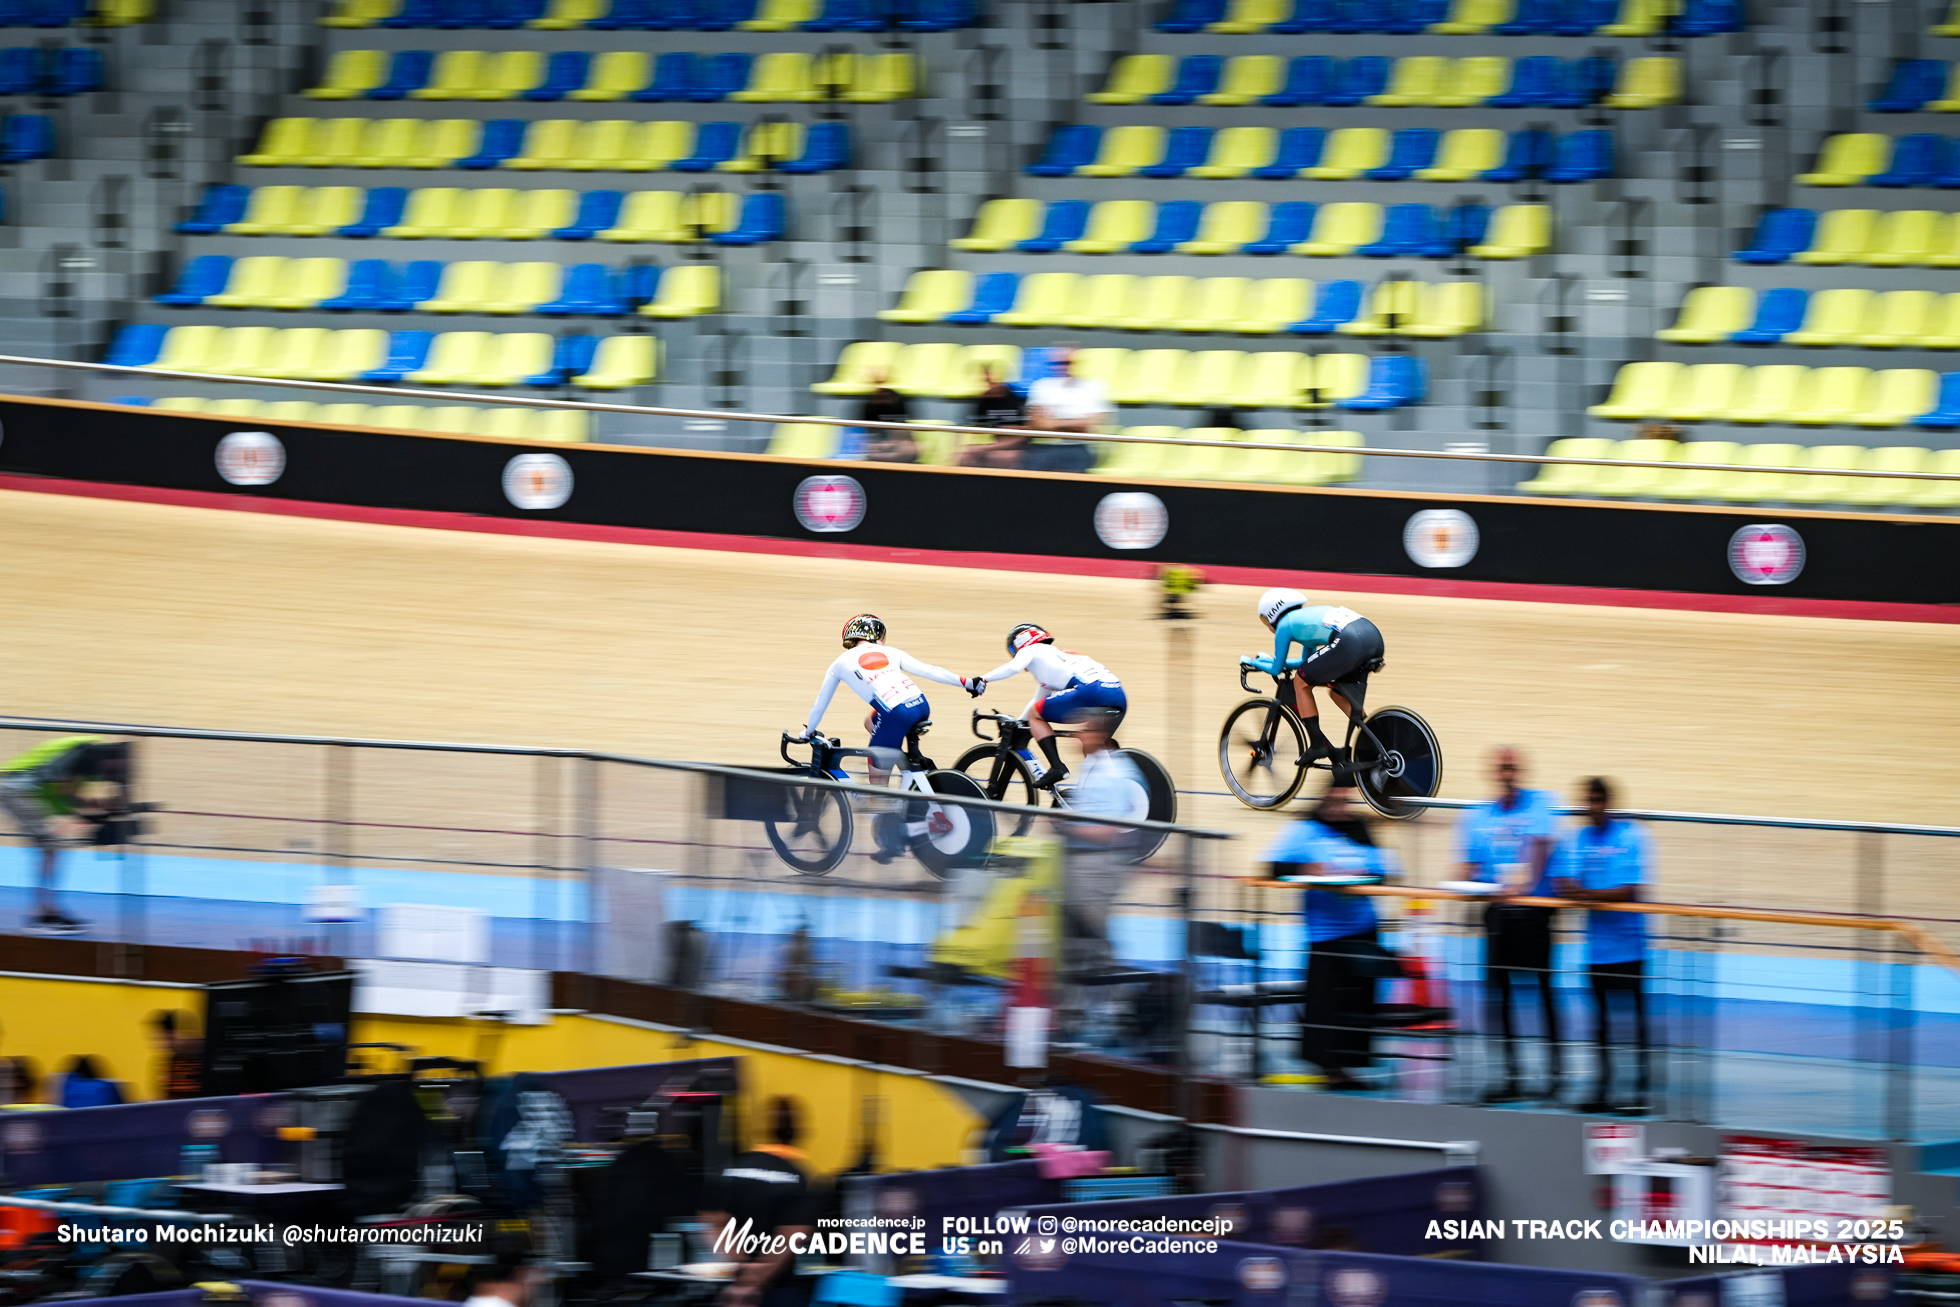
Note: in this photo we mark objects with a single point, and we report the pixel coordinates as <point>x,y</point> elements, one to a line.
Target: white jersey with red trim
<point>1055,669</point>
<point>880,675</point>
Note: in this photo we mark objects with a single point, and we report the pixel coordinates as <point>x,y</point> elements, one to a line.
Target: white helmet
<point>1277,603</point>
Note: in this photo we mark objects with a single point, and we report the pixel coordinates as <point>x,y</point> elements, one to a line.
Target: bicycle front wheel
<point>1396,757</point>
<point>817,833</point>
<point>1004,776</point>
<point>1260,752</point>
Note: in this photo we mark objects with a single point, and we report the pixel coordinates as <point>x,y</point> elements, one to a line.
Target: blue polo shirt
<point>1608,857</point>
<point>1330,913</point>
<point>1490,836</point>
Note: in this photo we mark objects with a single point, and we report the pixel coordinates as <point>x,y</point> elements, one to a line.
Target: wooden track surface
<point>124,611</point>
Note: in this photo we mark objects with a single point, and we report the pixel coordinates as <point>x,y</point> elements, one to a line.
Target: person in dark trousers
<point>997,406</point>
<point>52,787</point>
<point>1508,842</point>
<point>183,1064</point>
<point>1344,954</point>
<point>883,444</point>
<point>765,1192</point>
<point>1608,860</point>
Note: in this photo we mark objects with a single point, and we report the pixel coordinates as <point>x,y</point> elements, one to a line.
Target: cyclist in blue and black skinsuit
<point>1338,649</point>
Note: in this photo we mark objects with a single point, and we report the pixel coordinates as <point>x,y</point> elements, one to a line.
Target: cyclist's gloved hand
<point>800,737</point>
<point>976,686</point>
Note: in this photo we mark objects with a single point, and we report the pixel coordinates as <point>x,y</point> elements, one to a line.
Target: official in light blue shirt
<point>1609,860</point>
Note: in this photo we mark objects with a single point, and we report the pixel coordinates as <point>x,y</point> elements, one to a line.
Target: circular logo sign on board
<point>1355,1286</point>
<point>1262,1274</point>
<point>1598,1298</point>
<point>251,458</point>
<point>1455,1196</point>
<point>537,482</point>
<point>1766,553</point>
<point>1292,1226</point>
<point>1440,537</point>
<point>1132,519</point>
<point>207,1124</point>
<point>21,1137</point>
<point>829,504</point>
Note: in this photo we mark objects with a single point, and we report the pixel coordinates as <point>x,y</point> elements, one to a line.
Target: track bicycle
<point>815,832</point>
<point>1006,768</point>
<point>1262,753</point>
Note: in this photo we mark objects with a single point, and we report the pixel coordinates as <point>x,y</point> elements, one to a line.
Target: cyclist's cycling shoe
<point>1052,777</point>
<point>889,830</point>
<point>1314,753</point>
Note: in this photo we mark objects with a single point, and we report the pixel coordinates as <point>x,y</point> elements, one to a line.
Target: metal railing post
<point>586,798</point>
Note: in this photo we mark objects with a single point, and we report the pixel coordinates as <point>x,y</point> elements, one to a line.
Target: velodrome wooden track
<point>149,613</point>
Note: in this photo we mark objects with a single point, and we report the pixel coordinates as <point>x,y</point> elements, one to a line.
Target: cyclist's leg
<point>28,812</point>
<point>889,727</point>
<point>1056,706</point>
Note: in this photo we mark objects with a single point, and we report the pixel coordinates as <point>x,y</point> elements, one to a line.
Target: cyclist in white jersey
<point>882,677</point>
<point>1070,683</point>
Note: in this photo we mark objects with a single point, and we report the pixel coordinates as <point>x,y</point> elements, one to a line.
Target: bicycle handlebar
<point>1248,667</point>
<point>999,719</point>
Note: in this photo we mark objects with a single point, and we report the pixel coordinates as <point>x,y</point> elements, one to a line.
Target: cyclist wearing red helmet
<point>1071,683</point>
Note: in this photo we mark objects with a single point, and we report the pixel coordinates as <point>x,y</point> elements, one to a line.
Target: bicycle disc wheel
<point>948,837</point>
<point>817,835</point>
<point>1407,765</point>
<point>1259,753</point>
<point>1004,777</point>
<point>1163,802</point>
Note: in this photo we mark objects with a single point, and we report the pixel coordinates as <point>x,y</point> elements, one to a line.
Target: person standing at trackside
<point>1607,860</point>
<point>1508,842</point>
<point>1065,402</point>
<point>765,1192</point>
<point>1345,958</point>
<point>73,777</point>
<point>1108,785</point>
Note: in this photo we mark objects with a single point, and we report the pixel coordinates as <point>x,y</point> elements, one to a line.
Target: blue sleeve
<point>1282,640</point>
<point>1297,843</point>
<point>1632,869</point>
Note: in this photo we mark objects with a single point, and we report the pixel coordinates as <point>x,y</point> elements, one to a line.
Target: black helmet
<point>1025,634</point>
<point>864,627</point>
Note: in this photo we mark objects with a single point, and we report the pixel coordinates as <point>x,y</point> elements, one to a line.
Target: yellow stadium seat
<point>453,356</point>
<point>968,375</point>
<point>882,78</point>
<point>1146,376</point>
<point>283,143</point>
<point>1274,379</point>
<point>1135,78</point>
<point>1450,308</point>
<point>1000,225</point>
<point>1946,244</point>
<point>784,76</point>
<point>431,211</point>
<point>1895,396</point>
<point>305,282</point>
<point>444,141</point>
<point>1215,305</point>
<point>360,13</point>
<point>348,354</point>
<point>521,287</point>
<point>1833,398</point>
<point>1843,236</point>
<point>651,216</point>
<point>1908,236</point>
<point>503,423</point>
<point>1251,16</point>
<point>804,440</point>
<point>350,75</point>
<point>271,209</point>
<point>1639,17</point>
<point>548,143</point>
<point>1114,225</point>
<point>1517,231</point>
<point>341,415</point>
<point>1466,154</point>
<point>707,212</point>
<point>1640,390</point>
<point>1102,300</point>
<point>1124,150</point>
<point>1624,482</point>
<point>186,349</point>
<point>606,145</point>
<point>508,75</point>
<point>565,14</point>
<point>930,295</point>
<point>1138,461</point>
<point>1341,227</point>
<point>1770,394</point>
<point>397,417</point>
<point>1159,303</point>
<point>1227,226</point>
<point>455,76</point>
<point>1257,466</point>
<point>510,358</point>
<point>615,75</point>
<point>324,211</point>
<point>1898,319</point>
<point>859,367</point>
<point>1692,483</point>
<point>389,143</point>
<point>1101,365</point>
<point>1744,487</point>
<point>1704,392</point>
<point>1248,79</point>
<point>1471,17</point>
<point>1711,313</point>
<point>1848,158</point>
<point>292,353</point>
<point>254,279</point>
<point>1195,461</point>
<point>924,371</point>
<point>1335,468</point>
<point>1570,478</point>
<point>1416,79</point>
<point>181,404</point>
<point>1205,379</point>
<point>1042,299</point>
<point>336,142</point>
<point>240,350</point>
<point>1919,494</point>
<point>1236,151</point>
<point>1950,25</point>
<point>1833,317</point>
<point>484,213</point>
<point>1350,152</point>
<point>1274,304</point>
<point>1236,465</point>
<point>1472,81</point>
<point>1950,101</point>
<point>1337,377</point>
<point>288,410</point>
<point>539,213</point>
<point>1392,307</point>
<point>1647,83</point>
<point>766,144</point>
<point>465,287</point>
<point>781,15</point>
<point>1943,331</point>
<point>449,419</point>
<point>1824,488</point>
<point>686,291</point>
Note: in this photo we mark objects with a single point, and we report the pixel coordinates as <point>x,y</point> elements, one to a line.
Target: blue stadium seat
<point>1394,381</point>
<point>1177,222</point>
<point>370,288</point>
<point>384,208</point>
<point>1709,17</point>
<point>503,138</point>
<point>625,16</point>
<point>1184,149</point>
<point>571,357</point>
<point>1527,154</point>
<point>1355,16</point>
<point>409,72</point>
<point>137,345</point>
<point>1307,16</point>
<point>587,291</point>
<point>842,16</point>
<point>1308,79</point>
<point>1913,83</point>
<point>26,136</point>
<point>508,14</point>
<point>1359,79</point>
<point>1586,81</point>
<point>722,15</point>
<point>1409,229</point>
<point>134,401</point>
<point>58,13</point>
<point>635,284</point>
<point>1917,160</point>
<point>564,73</point>
<point>75,71</point>
<point>719,76</point>
<point>764,218</point>
<point>1408,17</point>
<point>1464,226</point>
<point>826,148</point>
<point>1412,148</point>
<point>1582,157</point>
<point>664,15</point>
<point>407,352</point>
<point>1193,16</point>
<point>1946,412</point>
<point>416,282</point>
<point>1287,224</point>
<point>1064,221</point>
<point>673,79</point>
<point>1780,234</point>
<point>1071,146</point>
<point>1583,17</point>
<point>597,211</point>
<point>220,207</point>
<point>1299,147</point>
<point>1535,80</point>
<point>993,293</point>
<point>1778,313</point>
<point>939,15</point>
<point>415,13</point>
<point>204,275</point>
<point>1530,18</point>
<point>1335,302</point>
<point>714,143</point>
<point>20,70</point>
<point>1947,176</point>
<point>1197,75</point>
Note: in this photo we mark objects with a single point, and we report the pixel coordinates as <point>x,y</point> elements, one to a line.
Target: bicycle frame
<point>1355,728</point>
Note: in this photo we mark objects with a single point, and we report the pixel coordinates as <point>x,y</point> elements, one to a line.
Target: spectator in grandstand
<point>1507,842</point>
<point>766,1192</point>
<point>183,1055</point>
<point>1345,959</point>
<point>996,406</point>
<point>20,1084</point>
<point>1607,860</point>
<point>1657,431</point>
<point>882,444</point>
<point>1065,402</point>
<point>83,1085</point>
<point>1107,785</point>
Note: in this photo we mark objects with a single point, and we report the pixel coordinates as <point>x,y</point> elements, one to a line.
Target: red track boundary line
<point>1052,564</point>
